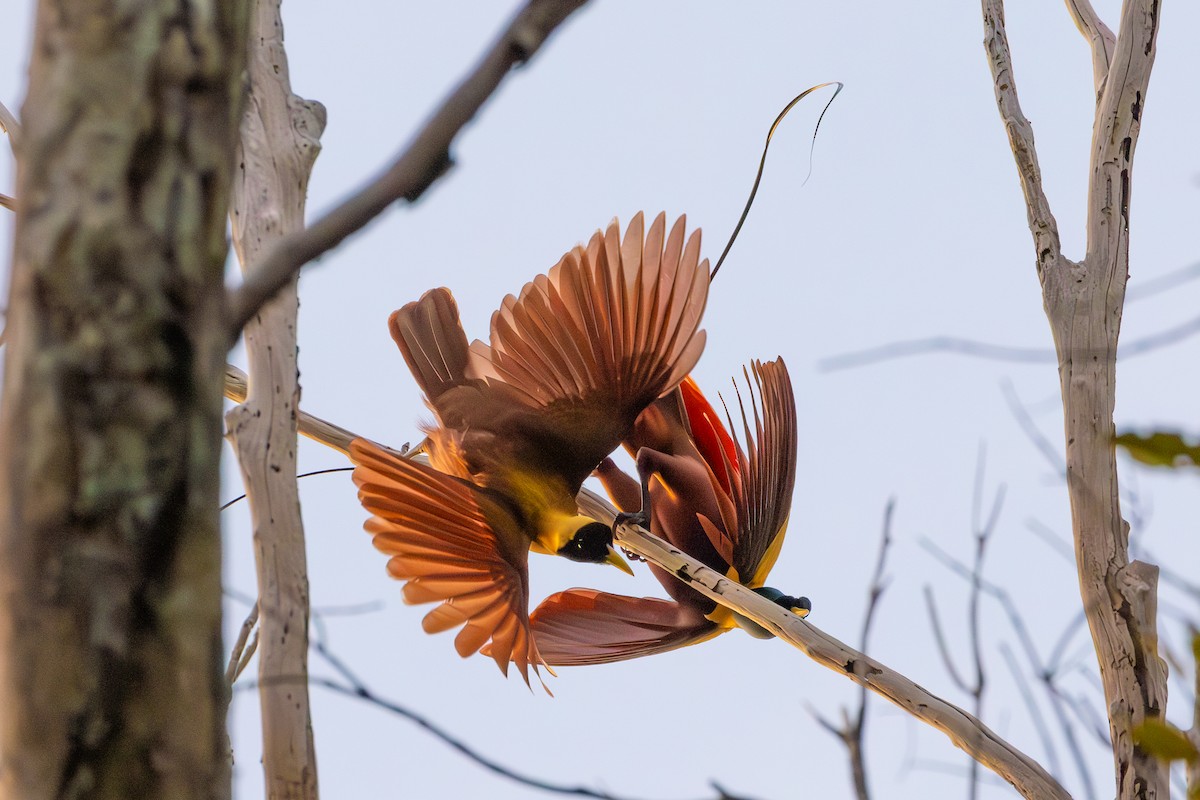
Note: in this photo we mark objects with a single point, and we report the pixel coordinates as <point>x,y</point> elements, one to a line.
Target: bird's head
<point>591,542</point>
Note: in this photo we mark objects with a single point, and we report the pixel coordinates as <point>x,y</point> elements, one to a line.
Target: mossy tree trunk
<point>110,427</point>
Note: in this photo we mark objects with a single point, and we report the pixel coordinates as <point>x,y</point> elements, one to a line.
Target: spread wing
<point>612,327</point>
<point>583,626</point>
<point>451,544</point>
<point>768,471</point>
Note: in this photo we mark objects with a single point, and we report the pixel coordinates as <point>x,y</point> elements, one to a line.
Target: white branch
<point>279,143</point>
<point>1042,224</point>
<point>964,730</point>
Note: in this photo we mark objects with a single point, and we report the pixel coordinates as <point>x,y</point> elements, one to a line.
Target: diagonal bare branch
<point>1100,38</point>
<point>9,125</point>
<point>964,730</point>
<point>419,165</point>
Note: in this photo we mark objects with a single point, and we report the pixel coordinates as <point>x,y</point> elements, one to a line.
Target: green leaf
<point>1160,738</point>
<point>1160,449</point>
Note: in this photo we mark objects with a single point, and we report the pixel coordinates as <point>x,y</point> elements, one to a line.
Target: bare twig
<point>9,125</point>
<point>355,687</point>
<point>982,531</point>
<point>8,202</point>
<point>852,730</point>
<point>426,159</point>
<point>1030,428</point>
<point>314,428</point>
<point>998,352</point>
<point>240,656</point>
<point>1162,283</point>
<point>1046,674</point>
<point>1031,706</point>
<point>940,638</point>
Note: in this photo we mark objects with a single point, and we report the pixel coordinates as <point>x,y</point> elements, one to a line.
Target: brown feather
<point>729,523</point>
<point>583,626</point>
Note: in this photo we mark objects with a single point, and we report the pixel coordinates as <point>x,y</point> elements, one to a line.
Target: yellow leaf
<point>1160,448</point>
<point>1162,739</point>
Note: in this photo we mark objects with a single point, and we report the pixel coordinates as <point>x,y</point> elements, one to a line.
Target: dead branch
<point>426,159</point>
<point>852,730</point>
<point>964,730</point>
<point>982,532</point>
<point>1046,672</point>
<point>355,687</point>
<point>280,139</point>
<point>1083,303</point>
<point>240,656</point>
<point>9,125</point>
<point>1030,429</point>
<point>1100,38</point>
<point>998,352</point>
<point>314,428</point>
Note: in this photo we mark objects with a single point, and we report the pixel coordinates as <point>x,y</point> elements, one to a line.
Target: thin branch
<point>1042,224</point>
<point>313,427</point>
<point>8,202</point>
<point>1051,538</point>
<point>1099,37</point>
<point>1031,706</point>
<point>963,729</point>
<point>9,125</point>
<point>1029,427</point>
<point>426,159</point>
<point>1162,283</point>
<point>240,656</point>
<point>998,352</point>
<point>851,733</point>
<point>355,687</point>
<point>1060,703</point>
<point>940,637</point>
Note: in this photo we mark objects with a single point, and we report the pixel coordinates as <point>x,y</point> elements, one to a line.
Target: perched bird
<point>723,505</point>
<point>522,421</point>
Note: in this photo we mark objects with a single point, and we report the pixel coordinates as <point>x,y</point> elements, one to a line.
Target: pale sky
<point>911,225</point>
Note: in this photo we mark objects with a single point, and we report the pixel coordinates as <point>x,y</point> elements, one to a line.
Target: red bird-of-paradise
<point>572,362</point>
<point>722,504</point>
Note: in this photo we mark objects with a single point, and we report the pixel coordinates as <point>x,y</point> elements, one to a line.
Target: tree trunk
<point>278,145</point>
<point>111,674</point>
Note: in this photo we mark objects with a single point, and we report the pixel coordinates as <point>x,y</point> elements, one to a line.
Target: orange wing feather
<point>451,544</point>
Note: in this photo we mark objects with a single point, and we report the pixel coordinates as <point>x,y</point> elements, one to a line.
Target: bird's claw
<point>639,518</point>
<point>800,606</point>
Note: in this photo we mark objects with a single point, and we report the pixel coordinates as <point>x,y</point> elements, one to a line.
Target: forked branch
<point>1084,302</point>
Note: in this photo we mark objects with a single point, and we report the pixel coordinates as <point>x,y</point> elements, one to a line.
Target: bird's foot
<point>639,518</point>
<point>800,606</point>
